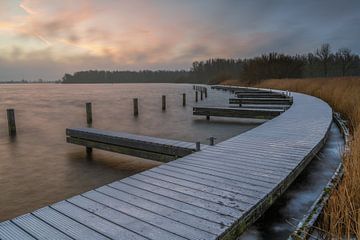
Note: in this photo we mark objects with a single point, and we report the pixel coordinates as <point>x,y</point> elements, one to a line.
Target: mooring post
<point>88,150</point>
<point>11,122</point>
<point>196,96</point>
<point>212,141</point>
<point>136,107</point>
<point>184,99</point>
<point>201,94</point>
<point>163,102</point>
<point>205,92</point>
<point>88,113</point>
<point>197,146</point>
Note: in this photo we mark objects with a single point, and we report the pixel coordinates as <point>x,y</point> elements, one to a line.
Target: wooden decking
<point>211,194</point>
<point>256,113</point>
<point>158,149</point>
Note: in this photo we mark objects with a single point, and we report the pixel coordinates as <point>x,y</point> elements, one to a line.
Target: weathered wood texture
<point>211,194</point>
<point>237,112</point>
<point>136,145</point>
<point>264,101</point>
<point>260,95</point>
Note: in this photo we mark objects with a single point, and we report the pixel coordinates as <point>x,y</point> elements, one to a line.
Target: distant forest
<point>322,63</point>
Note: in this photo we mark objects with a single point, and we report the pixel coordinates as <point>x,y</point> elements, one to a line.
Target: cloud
<point>59,36</point>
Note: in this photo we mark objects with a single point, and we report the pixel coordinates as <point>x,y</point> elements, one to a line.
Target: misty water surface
<point>38,167</point>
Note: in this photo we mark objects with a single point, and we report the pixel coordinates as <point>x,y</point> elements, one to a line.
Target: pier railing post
<point>11,122</point>
<point>136,107</point>
<point>163,102</point>
<point>88,113</point>
<point>196,96</point>
<point>184,99</point>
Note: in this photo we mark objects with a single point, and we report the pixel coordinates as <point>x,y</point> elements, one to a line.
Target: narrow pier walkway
<point>211,194</point>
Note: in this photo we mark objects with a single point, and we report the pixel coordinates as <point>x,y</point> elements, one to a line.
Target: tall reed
<point>341,217</point>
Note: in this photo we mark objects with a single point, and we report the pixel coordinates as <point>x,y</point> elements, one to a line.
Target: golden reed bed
<point>341,218</point>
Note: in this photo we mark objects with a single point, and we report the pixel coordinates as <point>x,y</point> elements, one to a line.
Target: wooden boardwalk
<point>211,194</point>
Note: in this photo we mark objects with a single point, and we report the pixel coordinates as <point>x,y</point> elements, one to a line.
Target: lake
<point>38,167</point>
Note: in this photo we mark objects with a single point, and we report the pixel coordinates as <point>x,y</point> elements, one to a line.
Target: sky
<point>46,38</point>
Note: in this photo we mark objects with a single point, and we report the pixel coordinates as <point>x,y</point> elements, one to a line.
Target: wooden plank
<point>132,141</point>
<point>10,231</point>
<point>263,101</point>
<point>65,224</point>
<point>38,228</point>
<point>123,150</point>
<point>236,112</point>
<point>97,223</point>
<point>149,224</point>
<point>173,203</point>
<point>194,200</point>
<point>176,215</point>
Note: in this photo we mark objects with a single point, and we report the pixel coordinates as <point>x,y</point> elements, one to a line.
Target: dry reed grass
<point>341,217</point>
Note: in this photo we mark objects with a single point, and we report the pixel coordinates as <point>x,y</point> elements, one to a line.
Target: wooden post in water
<point>136,107</point>
<point>201,94</point>
<point>205,91</point>
<point>89,150</point>
<point>197,146</point>
<point>212,141</point>
<point>196,96</point>
<point>163,102</point>
<point>88,113</point>
<point>11,122</point>
<point>184,99</point>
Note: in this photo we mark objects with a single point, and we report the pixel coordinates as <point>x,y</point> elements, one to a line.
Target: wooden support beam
<point>184,99</point>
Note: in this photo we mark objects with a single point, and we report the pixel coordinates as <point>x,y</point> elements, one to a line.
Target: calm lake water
<point>38,167</point>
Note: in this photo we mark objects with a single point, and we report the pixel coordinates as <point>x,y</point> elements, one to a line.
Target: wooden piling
<point>88,113</point>
<point>11,122</point>
<point>197,146</point>
<point>89,150</point>
<point>196,96</point>
<point>207,117</point>
<point>163,102</point>
<point>205,91</point>
<point>184,99</point>
<point>136,107</point>
<point>201,94</point>
<point>212,141</point>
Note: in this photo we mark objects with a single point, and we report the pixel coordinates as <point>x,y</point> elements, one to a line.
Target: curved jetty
<point>214,193</point>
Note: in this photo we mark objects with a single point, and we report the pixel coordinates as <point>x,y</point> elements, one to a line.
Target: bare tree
<point>345,58</point>
<point>324,55</point>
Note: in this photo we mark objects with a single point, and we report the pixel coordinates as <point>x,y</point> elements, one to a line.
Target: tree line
<point>321,63</point>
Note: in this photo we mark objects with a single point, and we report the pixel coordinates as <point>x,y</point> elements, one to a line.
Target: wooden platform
<point>237,112</point>
<point>263,101</point>
<point>158,149</point>
<point>211,194</point>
